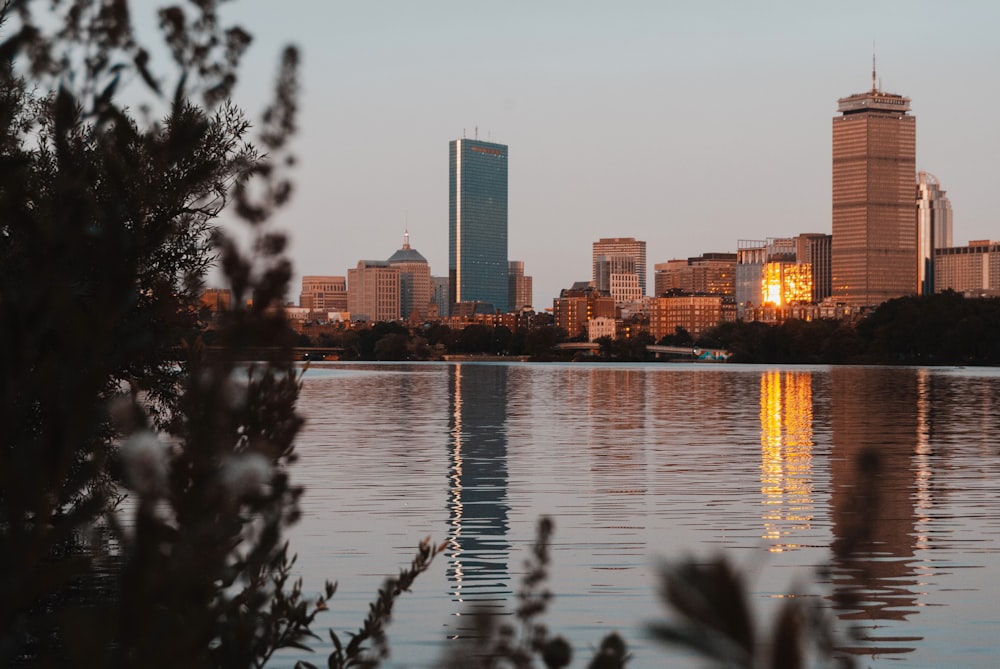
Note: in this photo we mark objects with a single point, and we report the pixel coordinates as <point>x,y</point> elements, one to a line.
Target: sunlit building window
<point>786,283</point>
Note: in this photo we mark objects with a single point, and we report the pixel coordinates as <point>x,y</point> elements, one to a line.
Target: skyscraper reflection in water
<point>478,548</point>
<point>876,437</point>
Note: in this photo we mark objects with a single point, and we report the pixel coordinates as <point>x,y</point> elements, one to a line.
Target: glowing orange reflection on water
<point>786,442</point>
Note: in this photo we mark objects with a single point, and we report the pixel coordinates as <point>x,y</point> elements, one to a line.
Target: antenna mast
<point>874,85</point>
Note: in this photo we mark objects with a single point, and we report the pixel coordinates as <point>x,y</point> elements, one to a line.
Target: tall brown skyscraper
<point>874,253</point>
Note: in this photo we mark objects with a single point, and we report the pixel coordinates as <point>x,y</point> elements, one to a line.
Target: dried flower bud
<point>246,474</point>
<point>147,464</point>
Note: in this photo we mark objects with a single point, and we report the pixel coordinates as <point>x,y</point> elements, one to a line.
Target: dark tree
<point>633,348</point>
<point>392,346</point>
<point>107,227</point>
<point>502,339</point>
<point>680,337</point>
<point>539,342</point>
<point>944,328</point>
<point>476,339</point>
<point>438,333</point>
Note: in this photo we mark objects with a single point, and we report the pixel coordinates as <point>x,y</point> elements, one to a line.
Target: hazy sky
<point>688,125</point>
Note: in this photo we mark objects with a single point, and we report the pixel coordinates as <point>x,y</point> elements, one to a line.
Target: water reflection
<point>876,431</point>
<point>638,462</point>
<point>924,498</point>
<point>786,443</point>
<point>478,549</point>
<point>616,413</point>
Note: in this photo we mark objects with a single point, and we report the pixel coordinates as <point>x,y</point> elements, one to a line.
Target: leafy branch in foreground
<point>716,622</point>
<point>500,644</point>
<point>355,653</point>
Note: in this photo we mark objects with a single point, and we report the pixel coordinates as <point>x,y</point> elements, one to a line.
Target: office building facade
<point>816,249</point>
<point>519,294</point>
<point>607,256</point>
<point>602,326</point>
<point>624,288</point>
<point>477,223</point>
<point>373,291</point>
<point>694,313</point>
<point>440,295</point>
<point>934,227</point>
<point>574,307</point>
<point>874,254</point>
<point>415,290</point>
<point>787,283</point>
<point>973,270</point>
<point>216,300</point>
<point>712,273</point>
<point>751,258</point>
<point>323,293</point>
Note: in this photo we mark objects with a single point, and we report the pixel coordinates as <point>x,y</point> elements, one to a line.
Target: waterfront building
<point>323,293</point>
<point>815,249</point>
<point>415,290</point>
<point>477,223</point>
<point>216,300</point>
<point>373,291</point>
<point>606,265</point>
<point>616,275</point>
<point>751,255</point>
<point>609,257</point>
<point>712,273</point>
<point>751,258</point>
<point>934,227</point>
<point>518,286</point>
<point>786,283</point>
<point>668,276</point>
<point>874,254</point>
<point>694,313</point>
<point>602,326</point>
<point>973,270</point>
<point>576,306</point>
<point>624,288</point>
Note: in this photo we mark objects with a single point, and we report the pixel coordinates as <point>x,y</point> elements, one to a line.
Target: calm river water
<point>646,462</point>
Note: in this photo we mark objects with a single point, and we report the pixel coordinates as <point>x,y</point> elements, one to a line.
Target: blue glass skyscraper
<point>477,222</point>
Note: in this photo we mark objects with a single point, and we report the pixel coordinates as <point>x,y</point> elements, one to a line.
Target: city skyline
<point>689,127</point>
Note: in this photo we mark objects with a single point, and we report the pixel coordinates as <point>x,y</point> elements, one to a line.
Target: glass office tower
<point>477,223</point>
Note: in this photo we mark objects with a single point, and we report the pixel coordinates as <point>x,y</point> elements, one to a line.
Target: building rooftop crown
<point>406,254</point>
<point>873,100</point>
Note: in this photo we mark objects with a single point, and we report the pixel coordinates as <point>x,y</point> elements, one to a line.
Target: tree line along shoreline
<point>942,329</point>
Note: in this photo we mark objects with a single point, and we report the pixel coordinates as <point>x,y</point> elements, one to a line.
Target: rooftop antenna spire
<point>874,85</point>
<point>406,238</point>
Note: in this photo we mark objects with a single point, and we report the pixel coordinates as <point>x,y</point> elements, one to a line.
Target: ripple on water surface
<point>639,463</point>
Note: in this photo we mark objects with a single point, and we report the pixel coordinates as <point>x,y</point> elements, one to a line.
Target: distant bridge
<point>578,346</point>
<point>691,352</point>
<point>695,353</point>
<point>317,352</point>
<point>276,353</point>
